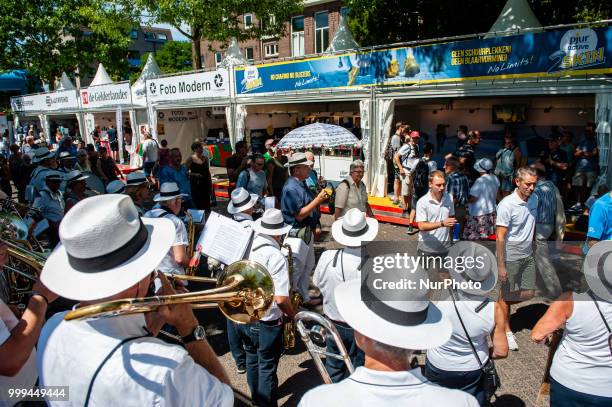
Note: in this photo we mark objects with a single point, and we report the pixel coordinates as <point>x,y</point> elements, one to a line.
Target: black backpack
<point>389,153</point>
<point>421,175</point>
<point>331,203</point>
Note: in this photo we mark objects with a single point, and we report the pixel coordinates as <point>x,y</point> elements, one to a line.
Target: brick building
<point>306,33</point>
<point>146,39</point>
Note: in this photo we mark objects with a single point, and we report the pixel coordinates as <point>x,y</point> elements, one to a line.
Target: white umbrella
<point>318,135</point>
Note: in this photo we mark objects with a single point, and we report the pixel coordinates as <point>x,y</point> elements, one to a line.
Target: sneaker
<point>411,230</point>
<point>512,344</point>
<point>576,208</point>
<point>240,369</point>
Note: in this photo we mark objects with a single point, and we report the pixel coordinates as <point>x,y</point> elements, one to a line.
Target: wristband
<point>42,296</point>
<point>441,223</point>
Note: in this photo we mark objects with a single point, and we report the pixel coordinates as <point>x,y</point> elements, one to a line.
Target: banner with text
<point>106,96</point>
<point>46,102</point>
<point>555,53</point>
<point>201,85</point>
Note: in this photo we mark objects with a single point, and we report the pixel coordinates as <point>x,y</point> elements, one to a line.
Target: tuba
<point>296,302</point>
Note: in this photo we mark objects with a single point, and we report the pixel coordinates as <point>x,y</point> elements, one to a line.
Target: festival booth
<point>189,106</point>
<point>274,98</point>
<point>104,103</point>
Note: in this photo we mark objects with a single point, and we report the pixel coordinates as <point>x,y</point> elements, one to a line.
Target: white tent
<point>149,71</point>
<point>516,15</point>
<point>64,83</point>
<point>233,56</point>
<point>101,77</point>
<point>343,39</point>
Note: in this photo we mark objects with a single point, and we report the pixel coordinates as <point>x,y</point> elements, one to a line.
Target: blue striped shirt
<point>457,185</point>
<point>547,202</point>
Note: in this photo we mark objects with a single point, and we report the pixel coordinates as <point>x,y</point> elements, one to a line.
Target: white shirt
<point>245,220</point>
<point>51,205</point>
<point>456,355</point>
<point>396,142</point>
<point>168,265</point>
<point>583,361</point>
<point>408,156</point>
<point>430,210</point>
<point>151,150</point>
<point>273,260</point>
<point>327,276</point>
<point>485,191</point>
<point>143,372</point>
<point>39,175</point>
<point>520,219</point>
<point>26,378</point>
<point>369,388</point>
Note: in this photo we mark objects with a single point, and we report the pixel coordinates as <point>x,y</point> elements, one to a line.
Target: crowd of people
<point>115,246</point>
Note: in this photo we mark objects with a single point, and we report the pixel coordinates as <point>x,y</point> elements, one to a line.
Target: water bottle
<point>456,232</point>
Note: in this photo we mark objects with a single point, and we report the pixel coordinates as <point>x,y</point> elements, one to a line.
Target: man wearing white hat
<point>46,164</point>
<point>170,200</point>
<point>354,230</point>
<point>389,331</point>
<point>66,162</point>
<point>137,187</point>
<point>115,187</point>
<point>109,253</point>
<point>50,202</point>
<point>241,208</point>
<point>263,340</point>
<point>300,209</point>
<point>76,188</point>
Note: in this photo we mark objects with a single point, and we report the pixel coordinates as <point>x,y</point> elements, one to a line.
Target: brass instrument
<point>16,213</point>
<point>315,340</point>
<point>244,294</point>
<point>190,270</point>
<point>296,302</point>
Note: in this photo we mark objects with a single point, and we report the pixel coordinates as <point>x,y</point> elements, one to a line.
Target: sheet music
<point>197,215</point>
<point>224,239</point>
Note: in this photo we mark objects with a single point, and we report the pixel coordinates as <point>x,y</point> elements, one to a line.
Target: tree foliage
<point>219,20</point>
<point>375,22</point>
<point>47,37</point>
<point>174,56</point>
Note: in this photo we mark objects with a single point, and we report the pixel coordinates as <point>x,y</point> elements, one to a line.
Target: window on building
<point>162,36</point>
<point>249,54</point>
<point>271,49</point>
<point>150,36</point>
<point>248,20</point>
<point>344,11</point>
<point>297,36</point>
<point>134,34</point>
<point>218,58</point>
<point>202,61</point>
<point>321,31</point>
<point>267,24</point>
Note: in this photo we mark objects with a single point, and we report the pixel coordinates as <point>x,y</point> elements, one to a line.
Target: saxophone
<point>190,270</point>
<point>296,301</point>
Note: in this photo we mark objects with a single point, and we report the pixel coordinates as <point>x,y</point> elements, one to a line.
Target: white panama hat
<point>74,176</point>
<point>271,223</point>
<point>483,165</point>
<point>241,200</point>
<point>115,187</point>
<point>168,191</point>
<point>105,248</point>
<point>135,178</point>
<point>354,228</point>
<point>41,154</point>
<point>298,159</point>
<point>597,269</point>
<point>410,321</point>
<point>485,275</point>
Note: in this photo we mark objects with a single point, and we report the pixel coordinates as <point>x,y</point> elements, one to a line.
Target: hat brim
<point>354,241</point>
<point>81,178</point>
<point>436,330</point>
<point>61,278</point>
<point>36,160</point>
<point>597,256</point>
<point>159,198</point>
<point>486,285</point>
<point>270,232</point>
<point>489,282</point>
<point>307,162</point>
<point>231,209</point>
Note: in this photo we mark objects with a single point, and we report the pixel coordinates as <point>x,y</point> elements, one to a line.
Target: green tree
<point>218,20</point>
<point>175,56</point>
<point>47,37</point>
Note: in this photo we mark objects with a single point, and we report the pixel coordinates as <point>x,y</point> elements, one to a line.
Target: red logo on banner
<point>85,97</point>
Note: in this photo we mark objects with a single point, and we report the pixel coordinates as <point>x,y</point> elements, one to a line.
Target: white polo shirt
<point>327,276</point>
<point>142,372</point>
<point>266,251</point>
<point>26,377</point>
<point>430,210</point>
<point>485,191</point>
<point>520,219</point>
<point>366,387</point>
<point>168,265</point>
<point>244,219</point>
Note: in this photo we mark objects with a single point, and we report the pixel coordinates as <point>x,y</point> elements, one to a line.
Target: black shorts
<point>114,145</point>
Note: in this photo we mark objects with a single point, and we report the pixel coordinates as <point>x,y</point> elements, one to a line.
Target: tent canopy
<point>101,77</point>
<point>516,15</point>
<point>138,88</point>
<point>64,83</point>
<point>233,56</point>
<point>343,39</point>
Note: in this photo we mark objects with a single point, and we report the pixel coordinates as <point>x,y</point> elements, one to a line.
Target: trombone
<point>315,337</point>
<point>244,293</point>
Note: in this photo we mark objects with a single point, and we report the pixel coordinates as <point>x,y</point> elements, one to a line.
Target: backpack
<point>331,203</point>
<point>421,175</point>
<point>389,152</point>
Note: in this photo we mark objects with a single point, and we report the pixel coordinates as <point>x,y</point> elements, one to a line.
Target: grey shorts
<point>584,179</point>
<point>406,181</point>
<point>521,275</point>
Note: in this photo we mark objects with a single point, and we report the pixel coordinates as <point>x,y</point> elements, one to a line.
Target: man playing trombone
<point>108,252</point>
<point>353,230</point>
<point>263,340</point>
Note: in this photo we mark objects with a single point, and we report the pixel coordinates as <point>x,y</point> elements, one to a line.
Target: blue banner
<point>555,53</point>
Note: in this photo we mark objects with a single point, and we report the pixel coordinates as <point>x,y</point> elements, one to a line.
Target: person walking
<point>352,193</point>
<point>507,159</point>
<point>458,186</point>
<point>482,203</point>
<point>406,160</point>
<point>277,175</point>
<point>253,178</point>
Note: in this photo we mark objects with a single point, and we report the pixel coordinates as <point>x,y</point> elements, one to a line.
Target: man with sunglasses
<point>253,178</point>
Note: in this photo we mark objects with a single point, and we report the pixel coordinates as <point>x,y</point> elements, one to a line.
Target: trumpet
<point>244,293</point>
<point>315,338</point>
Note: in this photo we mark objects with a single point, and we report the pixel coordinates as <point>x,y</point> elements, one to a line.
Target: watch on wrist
<point>198,334</point>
